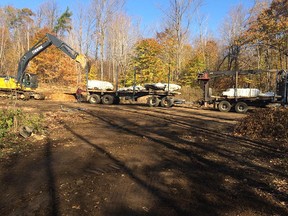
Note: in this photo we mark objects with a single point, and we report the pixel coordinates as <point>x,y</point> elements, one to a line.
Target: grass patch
<point>10,122</point>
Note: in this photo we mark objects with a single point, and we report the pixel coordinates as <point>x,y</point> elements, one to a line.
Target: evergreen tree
<point>63,23</point>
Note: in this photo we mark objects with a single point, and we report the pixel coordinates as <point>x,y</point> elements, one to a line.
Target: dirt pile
<point>58,96</point>
<point>265,123</point>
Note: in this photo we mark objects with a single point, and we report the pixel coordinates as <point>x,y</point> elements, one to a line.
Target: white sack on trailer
<point>172,87</point>
<point>130,88</point>
<point>241,92</point>
<point>162,86</point>
<point>100,85</point>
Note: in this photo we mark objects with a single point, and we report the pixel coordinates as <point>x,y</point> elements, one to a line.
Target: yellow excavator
<point>24,85</point>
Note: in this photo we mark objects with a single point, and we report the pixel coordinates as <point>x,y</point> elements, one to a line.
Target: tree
<point>268,31</point>
<point>63,23</point>
<point>47,14</point>
<point>16,30</point>
<point>52,65</point>
<point>147,62</point>
<point>202,58</point>
<point>232,30</point>
<point>121,38</point>
<point>103,10</point>
<point>169,45</point>
<point>178,18</point>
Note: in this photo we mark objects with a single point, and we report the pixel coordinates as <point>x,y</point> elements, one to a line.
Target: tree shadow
<point>246,173</point>
<point>34,177</point>
<point>190,177</point>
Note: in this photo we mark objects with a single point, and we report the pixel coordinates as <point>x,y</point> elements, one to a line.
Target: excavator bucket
<point>82,60</point>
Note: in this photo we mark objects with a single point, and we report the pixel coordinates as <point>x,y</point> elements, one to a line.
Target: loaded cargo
<point>159,94</point>
<point>241,99</point>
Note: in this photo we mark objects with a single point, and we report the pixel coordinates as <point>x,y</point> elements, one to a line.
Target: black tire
<point>116,100</point>
<point>107,99</point>
<point>241,107</point>
<point>224,106</point>
<point>153,101</point>
<point>167,102</point>
<point>94,99</point>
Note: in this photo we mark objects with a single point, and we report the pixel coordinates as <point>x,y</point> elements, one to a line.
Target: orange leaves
<point>52,65</point>
<point>265,123</point>
<point>271,25</point>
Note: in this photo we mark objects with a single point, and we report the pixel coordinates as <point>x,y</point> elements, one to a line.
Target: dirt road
<point>136,160</point>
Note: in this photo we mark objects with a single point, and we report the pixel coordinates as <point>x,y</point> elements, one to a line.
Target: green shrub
<point>10,122</point>
<point>7,120</point>
<point>12,119</point>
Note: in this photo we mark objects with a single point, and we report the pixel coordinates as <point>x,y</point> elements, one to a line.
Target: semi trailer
<point>155,96</point>
<point>242,102</point>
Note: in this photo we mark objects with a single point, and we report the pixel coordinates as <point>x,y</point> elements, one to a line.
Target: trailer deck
<point>156,97</point>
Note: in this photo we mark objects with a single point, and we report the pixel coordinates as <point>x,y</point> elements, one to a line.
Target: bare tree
<point>178,19</point>
<point>202,23</point>
<point>231,31</point>
<point>122,35</point>
<point>81,35</point>
<point>3,39</point>
<point>103,10</point>
<point>47,14</point>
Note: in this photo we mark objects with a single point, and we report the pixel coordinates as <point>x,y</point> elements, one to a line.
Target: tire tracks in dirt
<point>166,114</point>
<point>245,163</point>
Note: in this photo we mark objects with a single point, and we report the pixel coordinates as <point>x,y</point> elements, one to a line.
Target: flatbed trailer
<point>156,97</point>
<point>240,104</point>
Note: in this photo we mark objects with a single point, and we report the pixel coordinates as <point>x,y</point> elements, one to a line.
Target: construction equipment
<point>25,84</point>
<point>242,98</point>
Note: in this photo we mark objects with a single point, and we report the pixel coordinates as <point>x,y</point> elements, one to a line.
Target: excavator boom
<point>42,45</point>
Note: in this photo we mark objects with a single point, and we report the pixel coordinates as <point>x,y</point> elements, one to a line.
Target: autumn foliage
<point>254,39</point>
<point>265,123</point>
<point>52,65</point>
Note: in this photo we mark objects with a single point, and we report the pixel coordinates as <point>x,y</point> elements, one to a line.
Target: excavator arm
<point>42,45</point>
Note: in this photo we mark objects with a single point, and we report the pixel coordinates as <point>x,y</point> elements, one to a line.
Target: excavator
<point>24,85</point>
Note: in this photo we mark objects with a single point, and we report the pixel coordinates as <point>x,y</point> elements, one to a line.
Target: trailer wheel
<point>94,99</point>
<point>241,107</point>
<point>167,102</point>
<point>107,99</point>
<point>224,106</point>
<point>153,101</point>
<point>116,100</point>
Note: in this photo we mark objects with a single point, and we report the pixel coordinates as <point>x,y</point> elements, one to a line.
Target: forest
<point>248,38</point>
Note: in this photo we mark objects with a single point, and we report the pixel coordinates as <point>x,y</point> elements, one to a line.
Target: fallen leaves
<point>265,123</point>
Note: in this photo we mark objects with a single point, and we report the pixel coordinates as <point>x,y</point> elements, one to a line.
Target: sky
<point>149,12</point>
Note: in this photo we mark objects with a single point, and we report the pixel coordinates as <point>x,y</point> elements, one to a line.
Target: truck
<point>24,85</point>
<point>241,102</point>
<point>156,96</point>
